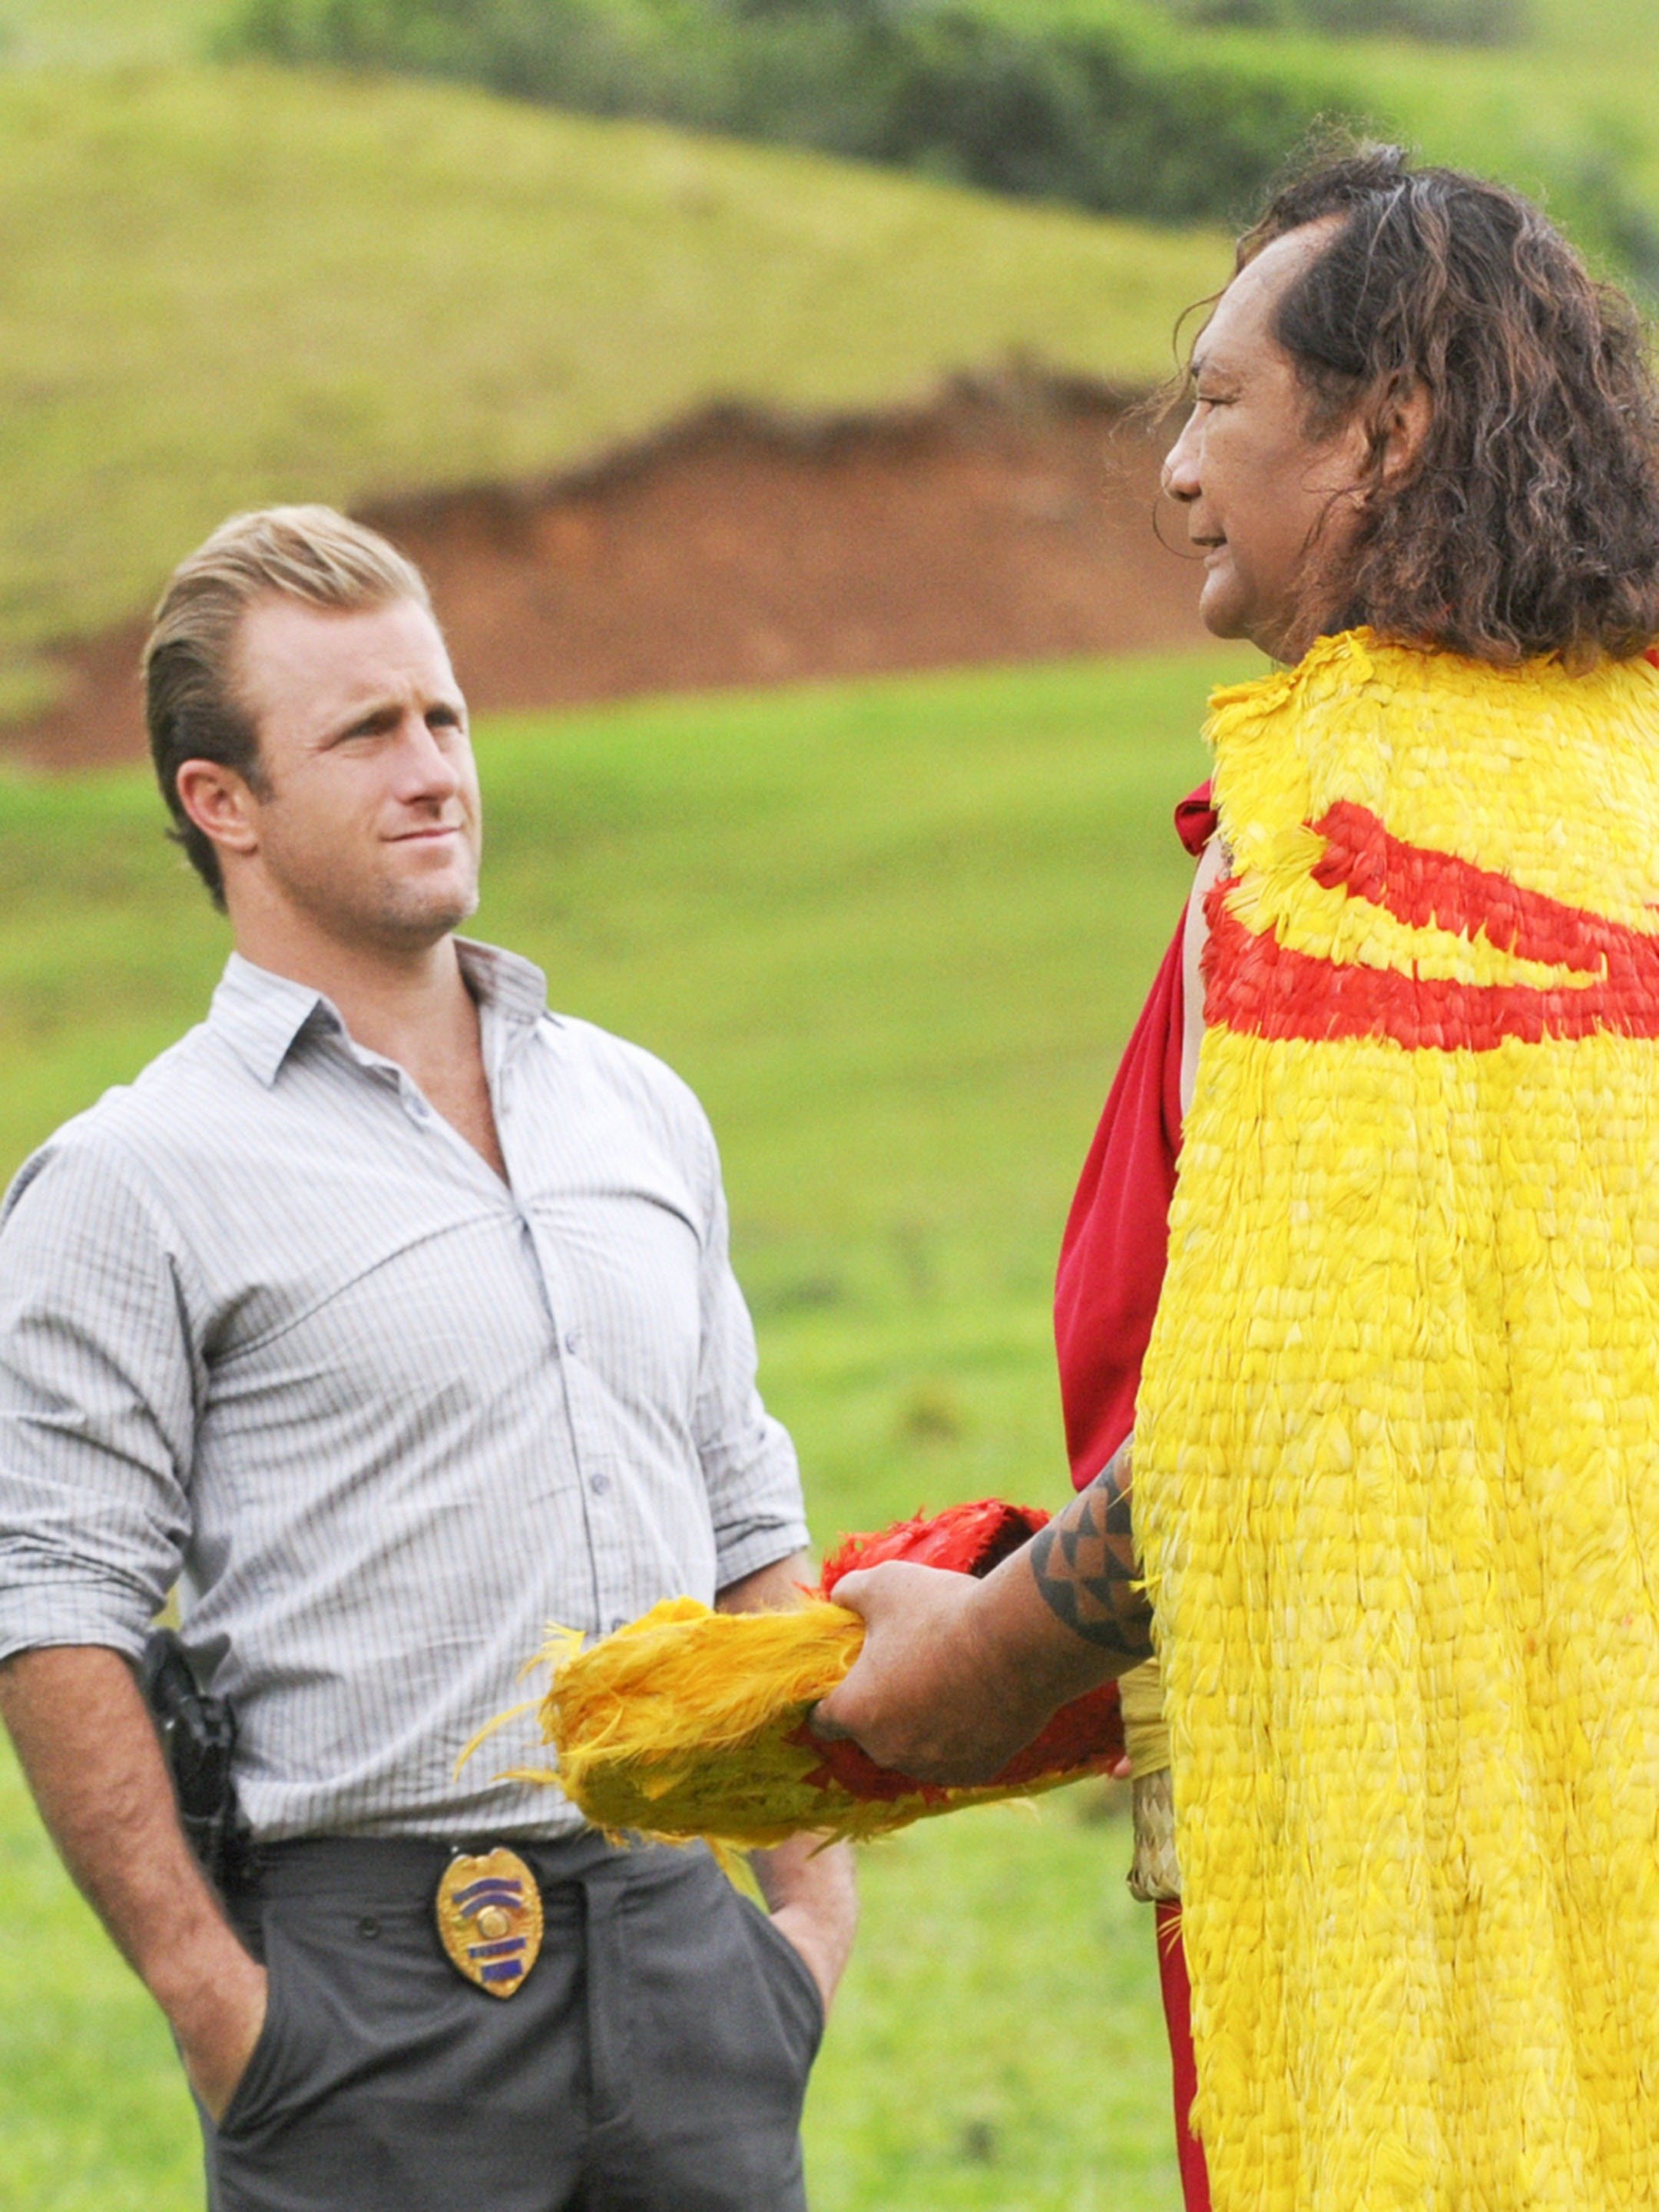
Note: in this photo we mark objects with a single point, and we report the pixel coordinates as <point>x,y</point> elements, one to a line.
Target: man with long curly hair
<point>1368,1414</point>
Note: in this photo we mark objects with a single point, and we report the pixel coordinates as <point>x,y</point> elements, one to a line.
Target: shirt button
<point>572,1341</point>
<point>618,1620</point>
<point>598,1484</point>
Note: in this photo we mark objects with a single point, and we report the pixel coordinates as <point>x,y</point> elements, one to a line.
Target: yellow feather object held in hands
<point>1397,1443</point>
<point>689,1723</point>
<point>668,1727</point>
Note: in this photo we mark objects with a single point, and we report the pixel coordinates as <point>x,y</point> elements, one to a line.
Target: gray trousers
<point>655,2059</point>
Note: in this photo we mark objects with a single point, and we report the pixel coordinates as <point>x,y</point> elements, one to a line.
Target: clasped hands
<point>957,1674</point>
<point>937,1692</point>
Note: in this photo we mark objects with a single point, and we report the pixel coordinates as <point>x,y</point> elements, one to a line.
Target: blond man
<point>390,1315</point>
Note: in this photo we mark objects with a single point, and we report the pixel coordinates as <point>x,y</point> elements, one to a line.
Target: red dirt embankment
<point>1011,519</point>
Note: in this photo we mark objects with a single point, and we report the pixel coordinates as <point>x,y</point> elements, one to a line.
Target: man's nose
<point>428,768</point>
<point>1180,478</point>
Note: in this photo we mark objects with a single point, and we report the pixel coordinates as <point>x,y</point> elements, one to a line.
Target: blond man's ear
<point>220,804</point>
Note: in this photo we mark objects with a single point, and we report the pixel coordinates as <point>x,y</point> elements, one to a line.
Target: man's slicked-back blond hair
<point>311,554</point>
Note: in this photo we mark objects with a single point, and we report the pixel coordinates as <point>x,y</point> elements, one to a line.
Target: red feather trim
<point>970,1540</point>
<point>1081,1738</point>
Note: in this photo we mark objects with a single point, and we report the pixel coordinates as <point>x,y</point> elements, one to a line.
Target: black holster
<point>198,1742</point>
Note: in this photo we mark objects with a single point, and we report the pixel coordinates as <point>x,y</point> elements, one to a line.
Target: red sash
<point>1111,1271</point>
<point>1112,1257</point>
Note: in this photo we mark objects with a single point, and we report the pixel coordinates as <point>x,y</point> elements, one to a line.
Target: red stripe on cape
<point>1257,985</point>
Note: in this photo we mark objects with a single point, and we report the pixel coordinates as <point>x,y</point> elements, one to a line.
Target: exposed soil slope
<point>220,287</point>
<point>1012,519</point>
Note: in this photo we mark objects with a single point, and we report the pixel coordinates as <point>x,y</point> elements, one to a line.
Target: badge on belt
<point>490,1919</point>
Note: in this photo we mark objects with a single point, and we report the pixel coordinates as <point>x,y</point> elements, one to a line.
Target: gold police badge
<point>490,1919</point>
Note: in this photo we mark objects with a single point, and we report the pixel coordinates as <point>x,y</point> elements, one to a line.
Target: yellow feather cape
<point>1397,1445</point>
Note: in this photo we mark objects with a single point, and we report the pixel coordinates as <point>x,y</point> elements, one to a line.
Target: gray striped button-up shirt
<point>270,1326</point>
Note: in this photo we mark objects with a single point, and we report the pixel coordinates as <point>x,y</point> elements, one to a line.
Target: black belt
<point>394,1869</point>
<point>486,1898</point>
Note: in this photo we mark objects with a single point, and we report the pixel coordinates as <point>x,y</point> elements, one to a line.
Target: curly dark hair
<point>1529,523</point>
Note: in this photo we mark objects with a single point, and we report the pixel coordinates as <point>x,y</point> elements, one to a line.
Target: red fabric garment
<point>1112,1255</point>
<point>1178,2018</point>
<point>1111,1271</point>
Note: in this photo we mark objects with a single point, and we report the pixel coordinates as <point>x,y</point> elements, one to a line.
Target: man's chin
<point>1230,616</point>
<point>417,915</point>
<point>1221,608</point>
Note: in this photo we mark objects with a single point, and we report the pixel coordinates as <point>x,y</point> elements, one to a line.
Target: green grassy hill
<point>1566,112</point>
<point>98,32</point>
<point>220,287</point>
<point>223,286</point>
<point>1168,109</point>
<point>1602,30</point>
<point>894,932</point>
<point>1613,30</point>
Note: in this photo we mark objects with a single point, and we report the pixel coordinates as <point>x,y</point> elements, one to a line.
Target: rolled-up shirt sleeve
<point>98,1397</point>
<point>748,1464</point>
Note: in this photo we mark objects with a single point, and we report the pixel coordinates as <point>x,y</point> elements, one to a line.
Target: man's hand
<point>956,1676</point>
<point>811,1891</point>
<point>933,1695</point>
<point>90,1750</point>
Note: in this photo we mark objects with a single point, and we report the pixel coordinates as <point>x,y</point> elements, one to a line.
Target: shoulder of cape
<point>1434,850</point>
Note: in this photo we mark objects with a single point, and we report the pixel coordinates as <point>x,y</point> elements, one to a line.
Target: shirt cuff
<point>46,1614</point>
<point>754,1548</point>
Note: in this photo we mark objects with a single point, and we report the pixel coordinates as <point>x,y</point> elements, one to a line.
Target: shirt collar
<point>261,1014</point>
<point>513,987</point>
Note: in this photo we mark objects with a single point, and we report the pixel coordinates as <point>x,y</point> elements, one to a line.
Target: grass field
<point>894,933</point>
<point>219,288</point>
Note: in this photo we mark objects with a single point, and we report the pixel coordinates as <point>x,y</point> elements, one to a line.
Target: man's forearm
<point>811,1891</point>
<point>1064,1614</point>
<point>90,1753</point>
<point>1086,1570</point>
<point>775,1588</point>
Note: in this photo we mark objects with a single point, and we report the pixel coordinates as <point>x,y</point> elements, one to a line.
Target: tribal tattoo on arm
<point>1086,1570</point>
